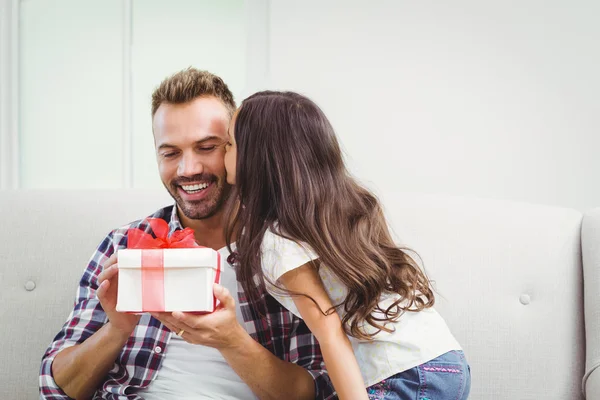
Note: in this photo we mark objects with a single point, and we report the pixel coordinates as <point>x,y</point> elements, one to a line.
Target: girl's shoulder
<point>281,244</point>
<point>281,254</point>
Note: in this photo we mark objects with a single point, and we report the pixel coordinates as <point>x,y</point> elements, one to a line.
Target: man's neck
<point>208,232</point>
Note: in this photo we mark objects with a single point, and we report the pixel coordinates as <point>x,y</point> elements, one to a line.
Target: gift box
<point>163,273</point>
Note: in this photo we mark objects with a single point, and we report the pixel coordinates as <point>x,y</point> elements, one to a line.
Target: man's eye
<point>208,148</point>
<point>169,155</point>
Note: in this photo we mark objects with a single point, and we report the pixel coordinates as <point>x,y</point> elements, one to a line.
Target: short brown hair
<point>189,84</point>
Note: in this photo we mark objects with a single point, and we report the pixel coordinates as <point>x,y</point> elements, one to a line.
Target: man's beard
<point>206,207</point>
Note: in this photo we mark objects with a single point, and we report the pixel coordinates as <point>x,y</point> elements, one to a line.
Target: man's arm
<point>67,360</point>
<point>267,376</point>
<point>79,370</point>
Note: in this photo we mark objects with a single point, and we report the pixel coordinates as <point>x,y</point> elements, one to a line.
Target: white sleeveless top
<point>418,336</point>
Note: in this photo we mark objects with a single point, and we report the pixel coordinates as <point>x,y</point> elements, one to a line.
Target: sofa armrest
<point>590,245</point>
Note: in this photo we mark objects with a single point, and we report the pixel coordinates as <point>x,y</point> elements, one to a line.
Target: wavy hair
<point>290,172</point>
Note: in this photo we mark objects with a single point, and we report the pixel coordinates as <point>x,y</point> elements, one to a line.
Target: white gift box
<point>174,279</point>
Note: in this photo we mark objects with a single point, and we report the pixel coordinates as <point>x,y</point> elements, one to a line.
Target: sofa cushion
<point>509,283</point>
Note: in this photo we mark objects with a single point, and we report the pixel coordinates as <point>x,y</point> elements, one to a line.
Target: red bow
<point>139,239</point>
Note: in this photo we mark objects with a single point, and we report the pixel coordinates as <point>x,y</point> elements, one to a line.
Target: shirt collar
<point>174,222</point>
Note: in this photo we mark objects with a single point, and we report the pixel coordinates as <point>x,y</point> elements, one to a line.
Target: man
<point>104,354</point>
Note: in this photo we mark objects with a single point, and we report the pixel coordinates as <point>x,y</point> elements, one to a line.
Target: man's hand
<point>219,330</point>
<point>79,370</point>
<point>107,294</point>
<point>275,379</point>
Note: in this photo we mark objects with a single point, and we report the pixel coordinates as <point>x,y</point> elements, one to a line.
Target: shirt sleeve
<point>86,318</point>
<point>281,255</point>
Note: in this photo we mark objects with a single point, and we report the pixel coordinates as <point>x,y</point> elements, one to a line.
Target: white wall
<point>8,93</point>
<point>70,94</point>
<point>87,70</point>
<point>491,99</point>
<point>488,99</point>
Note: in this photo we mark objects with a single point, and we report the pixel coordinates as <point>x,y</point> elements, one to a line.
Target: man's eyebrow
<point>198,142</point>
<point>211,138</point>
<point>166,146</point>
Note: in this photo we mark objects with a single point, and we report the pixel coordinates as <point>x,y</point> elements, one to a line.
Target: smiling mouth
<point>196,188</point>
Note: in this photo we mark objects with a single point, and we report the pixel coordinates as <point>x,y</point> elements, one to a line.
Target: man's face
<point>189,140</point>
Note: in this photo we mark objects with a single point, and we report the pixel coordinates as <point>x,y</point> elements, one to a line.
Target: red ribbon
<point>139,239</point>
<point>153,284</point>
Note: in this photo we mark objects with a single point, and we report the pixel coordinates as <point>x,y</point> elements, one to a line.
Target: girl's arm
<point>336,348</point>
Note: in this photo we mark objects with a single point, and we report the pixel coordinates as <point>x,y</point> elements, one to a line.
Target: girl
<point>317,241</point>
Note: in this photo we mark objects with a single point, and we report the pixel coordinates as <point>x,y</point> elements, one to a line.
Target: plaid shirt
<point>285,335</point>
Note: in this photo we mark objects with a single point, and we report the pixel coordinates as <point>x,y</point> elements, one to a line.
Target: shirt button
<point>157,349</point>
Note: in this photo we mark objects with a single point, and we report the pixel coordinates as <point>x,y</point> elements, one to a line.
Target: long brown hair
<point>290,171</point>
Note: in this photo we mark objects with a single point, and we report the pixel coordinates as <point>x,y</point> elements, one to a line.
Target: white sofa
<point>509,276</point>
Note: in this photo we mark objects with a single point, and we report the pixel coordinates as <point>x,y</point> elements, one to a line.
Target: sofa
<point>518,284</point>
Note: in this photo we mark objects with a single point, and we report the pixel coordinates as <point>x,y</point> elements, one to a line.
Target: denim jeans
<point>447,377</point>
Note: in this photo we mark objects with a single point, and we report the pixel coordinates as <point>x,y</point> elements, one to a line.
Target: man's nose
<point>190,165</point>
